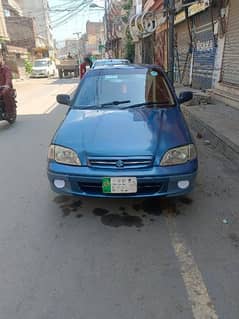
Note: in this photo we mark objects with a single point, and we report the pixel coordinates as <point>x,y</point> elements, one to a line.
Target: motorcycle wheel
<point>12,119</point>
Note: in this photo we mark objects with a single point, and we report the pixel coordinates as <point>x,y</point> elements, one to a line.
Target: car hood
<point>133,132</point>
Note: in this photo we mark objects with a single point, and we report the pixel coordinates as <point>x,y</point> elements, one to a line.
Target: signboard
<point>196,8</point>
<point>192,10</point>
<point>180,17</point>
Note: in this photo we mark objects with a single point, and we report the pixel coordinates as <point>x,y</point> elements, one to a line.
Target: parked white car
<point>43,68</point>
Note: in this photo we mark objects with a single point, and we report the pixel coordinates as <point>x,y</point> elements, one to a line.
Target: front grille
<point>147,187</point>
<point>121,162</point>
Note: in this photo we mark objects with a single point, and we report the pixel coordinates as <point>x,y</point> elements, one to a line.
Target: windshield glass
<point>41,63</point>
<point>123,88</point>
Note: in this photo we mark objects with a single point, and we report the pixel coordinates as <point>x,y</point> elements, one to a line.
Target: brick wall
<point>21,32</point>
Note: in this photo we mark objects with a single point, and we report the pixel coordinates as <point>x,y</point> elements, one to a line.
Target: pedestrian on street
<point>83,66</point>
<point>7,92</point>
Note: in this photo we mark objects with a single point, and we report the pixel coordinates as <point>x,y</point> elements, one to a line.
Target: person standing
<point>83,66</point>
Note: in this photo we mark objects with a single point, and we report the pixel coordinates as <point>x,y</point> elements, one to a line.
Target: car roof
<point>129,66</point>
<point>110,60</point>
<point>121,68</point>
<point>111,66</point>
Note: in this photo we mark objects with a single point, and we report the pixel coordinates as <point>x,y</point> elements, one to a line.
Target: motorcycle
<point>3,116</point>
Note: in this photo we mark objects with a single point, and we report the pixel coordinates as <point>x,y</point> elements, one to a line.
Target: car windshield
<point>40,63</point>
<point>122,88</point>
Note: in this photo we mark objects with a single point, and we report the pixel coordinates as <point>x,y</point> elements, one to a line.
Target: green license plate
<point>119,185</point>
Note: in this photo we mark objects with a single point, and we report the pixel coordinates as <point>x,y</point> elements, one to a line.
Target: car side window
<point>157,89</point>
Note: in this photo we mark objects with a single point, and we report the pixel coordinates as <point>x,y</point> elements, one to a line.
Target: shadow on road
<point>30,128</point>
<point>64,81</point>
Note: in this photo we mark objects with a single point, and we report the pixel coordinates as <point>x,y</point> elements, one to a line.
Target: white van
<point>43,68</point>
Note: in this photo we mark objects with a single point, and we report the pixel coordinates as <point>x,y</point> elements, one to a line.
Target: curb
<point>218,141</point>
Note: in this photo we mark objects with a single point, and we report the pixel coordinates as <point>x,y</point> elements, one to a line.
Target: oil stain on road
<point>156,206</point>
<point>143,210</point>
<point>118,220</point>
<point>100,212</point>
<point>68,205</point>
<point>234,239</point>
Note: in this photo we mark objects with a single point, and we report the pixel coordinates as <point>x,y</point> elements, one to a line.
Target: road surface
<point>76,258</point>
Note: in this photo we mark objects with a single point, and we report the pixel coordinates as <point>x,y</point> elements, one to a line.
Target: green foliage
<point>28,66</point>
<point>125,19</point>
<point>129,47</point>
<point>129,44</point>
<point>128,5</point>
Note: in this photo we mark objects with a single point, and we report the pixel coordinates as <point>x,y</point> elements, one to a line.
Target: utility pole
<point>78,44</point>
<point>171,18</point>
<point>106,22</point>
<point>108,26</point>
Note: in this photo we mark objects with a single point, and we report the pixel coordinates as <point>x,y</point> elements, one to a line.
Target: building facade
<point>95,35</point>
<point>226,75</point>
<point>21,32</point>
<point>196,45</point>
<point>39,10</point>
<point>3,28</point>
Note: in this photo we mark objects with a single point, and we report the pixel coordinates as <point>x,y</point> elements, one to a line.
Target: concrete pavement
<point>214,122</point>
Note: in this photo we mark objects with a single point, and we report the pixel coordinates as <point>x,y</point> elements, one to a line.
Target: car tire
<point>60,74</point>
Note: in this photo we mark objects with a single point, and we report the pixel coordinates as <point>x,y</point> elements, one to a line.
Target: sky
<point>76,23</point>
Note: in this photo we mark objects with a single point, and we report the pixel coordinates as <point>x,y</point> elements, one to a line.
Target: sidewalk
<point>215,122</point>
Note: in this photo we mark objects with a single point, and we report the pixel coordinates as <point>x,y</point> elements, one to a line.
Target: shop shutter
<point>204,51</point>
<point>230,67</point>
<point>182,56</point>
<point>148,50</point>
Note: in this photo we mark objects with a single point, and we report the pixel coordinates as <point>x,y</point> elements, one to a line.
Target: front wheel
<point>12,119</point>
<point>60,74</point>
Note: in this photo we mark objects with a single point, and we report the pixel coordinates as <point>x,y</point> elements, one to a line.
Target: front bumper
<point>152,182</point>
<point>39,75</point>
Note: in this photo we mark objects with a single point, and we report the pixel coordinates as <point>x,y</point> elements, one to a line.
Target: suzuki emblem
<point>119,164</point>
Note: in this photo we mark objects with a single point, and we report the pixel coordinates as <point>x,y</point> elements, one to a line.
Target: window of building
<point>7,13</point>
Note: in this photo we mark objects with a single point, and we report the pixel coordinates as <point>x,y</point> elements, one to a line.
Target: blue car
<point>124,135</point>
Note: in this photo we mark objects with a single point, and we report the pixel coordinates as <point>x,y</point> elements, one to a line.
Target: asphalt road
<point>75,258</point>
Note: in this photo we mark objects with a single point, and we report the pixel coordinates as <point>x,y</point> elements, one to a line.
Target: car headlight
<point>63,155</point>
<point>179,155</point>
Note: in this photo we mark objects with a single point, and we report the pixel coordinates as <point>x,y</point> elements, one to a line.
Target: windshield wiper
<point>145,104</point>
<point>114,103</point>
<point>86,107</point>
<point>104,105</point>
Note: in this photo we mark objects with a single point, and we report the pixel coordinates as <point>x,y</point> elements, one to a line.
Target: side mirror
<point>185,96</point>
<point>63,99</point>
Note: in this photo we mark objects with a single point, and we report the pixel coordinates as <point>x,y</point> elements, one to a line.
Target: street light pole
<point>78,44</point>
<point>171,18</point>
<point>106,23</point>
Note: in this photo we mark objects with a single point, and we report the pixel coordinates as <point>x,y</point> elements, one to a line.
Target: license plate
<point>119,185</point>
